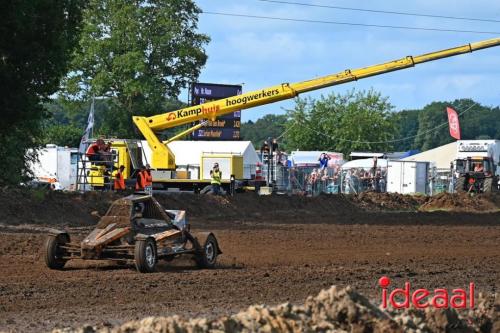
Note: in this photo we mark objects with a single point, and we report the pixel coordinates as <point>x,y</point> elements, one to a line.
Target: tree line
<point>366,121</point>
<point>135,56</point>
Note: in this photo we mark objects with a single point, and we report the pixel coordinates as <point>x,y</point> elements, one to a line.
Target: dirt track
<point>264,262</point>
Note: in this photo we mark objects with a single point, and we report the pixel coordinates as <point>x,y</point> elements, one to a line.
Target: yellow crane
<point>164,159</point>
<point>128,152</point>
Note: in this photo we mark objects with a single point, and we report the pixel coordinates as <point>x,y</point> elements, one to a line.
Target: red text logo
<point>422,298</point>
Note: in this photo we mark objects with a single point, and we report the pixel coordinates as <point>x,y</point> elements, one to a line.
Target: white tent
<point>310,158</point>
<point>365,163</point>
<point>440,157</point>
<point>190,152</point>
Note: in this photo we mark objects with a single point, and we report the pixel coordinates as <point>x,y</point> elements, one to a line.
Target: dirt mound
<point>26,206</point>
<point>251,205</point>
<point>388,201</point>
<point>36,207</point>
<point>463,202</point>
<point>334,309</point>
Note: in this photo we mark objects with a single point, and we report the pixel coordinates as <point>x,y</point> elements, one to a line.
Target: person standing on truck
<point>323,161</point>
<point>148,178</point>
<point>216,175</point>
<point>274,145</point>
<point>140,181</point>
<point>264,152</point>
<point>119,179</point>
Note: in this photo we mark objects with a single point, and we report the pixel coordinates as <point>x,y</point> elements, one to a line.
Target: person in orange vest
<point>119,179</point>
<point>148,179</point>
<point>140,180</point>
<point>94,150</point>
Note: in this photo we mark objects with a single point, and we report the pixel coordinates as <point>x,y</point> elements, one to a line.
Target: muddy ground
<point>276,249</point>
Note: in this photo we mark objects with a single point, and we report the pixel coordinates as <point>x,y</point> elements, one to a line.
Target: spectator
<point>367,180</point>
<point>376,181</point>
<point>216,175</point>
<point>348,182</point>
<point>383,180</point>
<point>374,168</point>
<point>264,148</point>
<point>107,155</point>
<point>323,161</point>
<point>264,152</point>
<point>119,184</point>
<point>274,145</point>
<point>324,175</point>
<point>140,180</point>
<point>313,180</point>
<point>94,151</point>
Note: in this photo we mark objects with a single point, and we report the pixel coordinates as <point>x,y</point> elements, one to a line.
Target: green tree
<point>406,123</point>
<point>37,40</point>
<point>63,135</point>
<point>136,53</point>
<point>270,125</point>
<point>341,123</point>
<point>475,122</point>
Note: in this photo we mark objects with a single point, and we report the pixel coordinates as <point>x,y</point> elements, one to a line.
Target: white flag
<point>90,125</point>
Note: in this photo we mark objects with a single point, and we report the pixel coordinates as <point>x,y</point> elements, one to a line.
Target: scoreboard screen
<point>226,127</point>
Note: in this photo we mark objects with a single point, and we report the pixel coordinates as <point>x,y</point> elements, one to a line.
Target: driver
<point>138,210</point>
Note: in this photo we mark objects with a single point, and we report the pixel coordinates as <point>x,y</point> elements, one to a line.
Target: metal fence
<point>441,180</point>
<point>314,181</point>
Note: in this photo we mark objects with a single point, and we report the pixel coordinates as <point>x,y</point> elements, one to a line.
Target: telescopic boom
<point>163,158</point>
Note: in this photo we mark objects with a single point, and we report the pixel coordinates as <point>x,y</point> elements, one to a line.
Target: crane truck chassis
<point>163,160</point>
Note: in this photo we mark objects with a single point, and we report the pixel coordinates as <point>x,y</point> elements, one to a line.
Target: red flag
<point>454,123</point>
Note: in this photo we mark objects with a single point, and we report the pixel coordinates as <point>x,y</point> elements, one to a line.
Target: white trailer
<point>57,162</point>
<point>407,177</point>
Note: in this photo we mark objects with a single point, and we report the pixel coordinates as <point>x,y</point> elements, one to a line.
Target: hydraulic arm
<point>164,159</point>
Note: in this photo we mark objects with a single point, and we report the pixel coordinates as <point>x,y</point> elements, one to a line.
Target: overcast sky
<point>261,53</point>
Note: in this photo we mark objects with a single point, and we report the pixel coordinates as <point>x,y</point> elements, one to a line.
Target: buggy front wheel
<point>145,255</point>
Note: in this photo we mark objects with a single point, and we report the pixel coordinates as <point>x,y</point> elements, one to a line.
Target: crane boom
<point>163,158</point>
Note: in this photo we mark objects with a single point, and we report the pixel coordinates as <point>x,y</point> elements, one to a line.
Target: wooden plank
<point>167,234</point>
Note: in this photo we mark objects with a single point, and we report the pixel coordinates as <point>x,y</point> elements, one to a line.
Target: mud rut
<point>264,262</point>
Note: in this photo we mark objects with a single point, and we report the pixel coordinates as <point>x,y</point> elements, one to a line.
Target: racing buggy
<point>135,229</point>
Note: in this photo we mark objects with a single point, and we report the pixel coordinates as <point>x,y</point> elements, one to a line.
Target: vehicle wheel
<point>488,185</point>
<point>145,255</point>
<point>208,255</point>
<point>53,252</point>
<point>460,185</point>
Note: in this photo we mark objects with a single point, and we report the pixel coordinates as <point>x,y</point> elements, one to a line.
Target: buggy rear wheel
<point>207,257</point>
<point>53,251</point>
<point>145,255</point>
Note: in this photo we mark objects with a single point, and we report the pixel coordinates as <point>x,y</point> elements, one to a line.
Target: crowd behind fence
<point>335,180</point>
